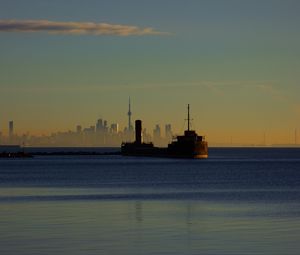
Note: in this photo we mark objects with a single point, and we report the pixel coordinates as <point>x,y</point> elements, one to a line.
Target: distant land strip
<point>76,153</point>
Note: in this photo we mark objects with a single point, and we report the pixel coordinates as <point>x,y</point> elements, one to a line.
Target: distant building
<point>105,128</point>
<point>114,128</point>
<point>146,137</point>
<point>11,128</point>
<point>157,135</point>
<point>78,129</point>
<point>156,131</point>
<point>99,125</point>
<point>168,132</point>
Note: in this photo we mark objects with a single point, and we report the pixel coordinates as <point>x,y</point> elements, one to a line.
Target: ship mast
<point>188,117</point>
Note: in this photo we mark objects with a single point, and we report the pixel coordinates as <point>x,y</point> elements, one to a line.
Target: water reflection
<point>149,227</point>
<point>245,204</point>
<point>139,211</point>
<point>188,214</point>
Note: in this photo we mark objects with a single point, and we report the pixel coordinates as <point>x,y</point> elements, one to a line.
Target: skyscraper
<point>78,129</point>
<point>157,135</point>
<point>168,132</point>
<point>10,129</point>
<point>99,125</point>
<point>114,128</point>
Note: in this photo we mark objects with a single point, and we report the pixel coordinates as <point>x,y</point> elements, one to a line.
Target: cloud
<point>274,92</point>
<point>217,87</point>
<point>75,28</point>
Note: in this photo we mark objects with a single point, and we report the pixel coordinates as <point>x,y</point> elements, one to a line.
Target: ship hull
<point>197,150</point>
<point>201,156</point>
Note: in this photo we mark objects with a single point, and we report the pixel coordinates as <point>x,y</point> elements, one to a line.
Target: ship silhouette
<point>188,145</point>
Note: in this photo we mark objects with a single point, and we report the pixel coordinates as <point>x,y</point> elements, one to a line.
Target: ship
<point>188,145</point>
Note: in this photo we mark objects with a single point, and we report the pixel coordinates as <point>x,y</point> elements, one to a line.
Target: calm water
<point>239,201</point>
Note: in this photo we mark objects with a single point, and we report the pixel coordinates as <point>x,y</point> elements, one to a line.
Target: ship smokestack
<point>138,132</point>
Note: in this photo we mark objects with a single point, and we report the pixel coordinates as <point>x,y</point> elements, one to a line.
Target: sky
<point>236,62</point>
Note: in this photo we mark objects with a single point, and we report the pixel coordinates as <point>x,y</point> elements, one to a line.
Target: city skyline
<point>105,133</point>
<point>235,62</point>
<point>101,133</point>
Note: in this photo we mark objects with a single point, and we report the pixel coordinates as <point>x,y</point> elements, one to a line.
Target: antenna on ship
<point>188,117</point>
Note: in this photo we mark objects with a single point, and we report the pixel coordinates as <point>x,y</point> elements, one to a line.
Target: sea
<point>238,201</point>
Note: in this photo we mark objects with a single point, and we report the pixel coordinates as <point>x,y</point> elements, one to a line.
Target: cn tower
<point>129,116</point>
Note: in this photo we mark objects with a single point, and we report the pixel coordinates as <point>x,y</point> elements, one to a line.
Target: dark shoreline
<point>29,152</point>
<point>75,153</point>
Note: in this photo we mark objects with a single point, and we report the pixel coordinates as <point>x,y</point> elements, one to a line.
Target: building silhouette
<point>11,128</point>
<point>168,132</point>
<point>114,128</point>
<point>78,129</point>
<point>11,132</point>
<point>156,135</point>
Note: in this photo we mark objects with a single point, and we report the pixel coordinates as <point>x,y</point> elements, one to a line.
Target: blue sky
<point>235,62</point>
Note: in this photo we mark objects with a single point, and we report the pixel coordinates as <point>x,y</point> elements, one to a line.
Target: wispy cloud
<point>273,91</point>
<point>217,87</point>
<point>75,28</point>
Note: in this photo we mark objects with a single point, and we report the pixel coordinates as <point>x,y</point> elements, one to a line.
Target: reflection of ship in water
<point>138,211</point>
<point>189,145</point>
